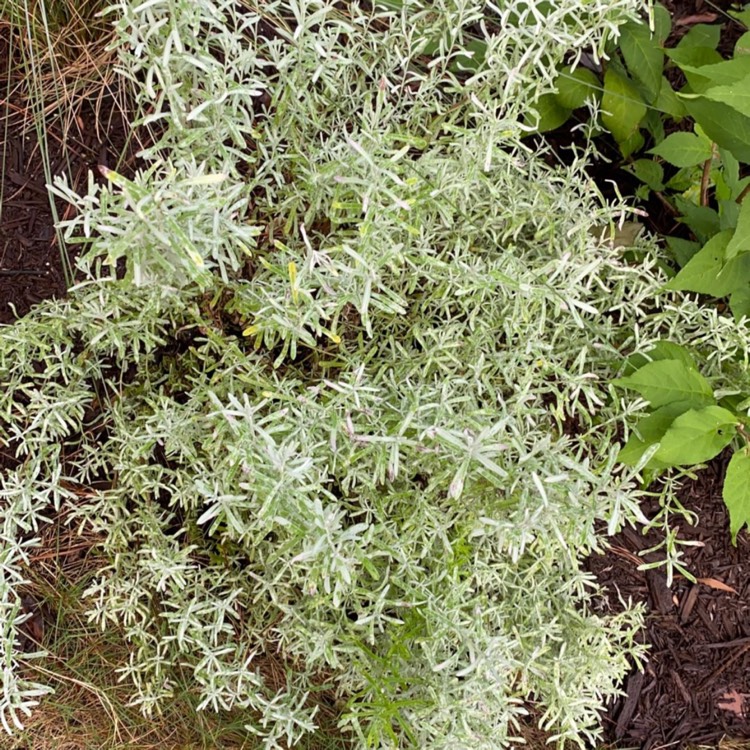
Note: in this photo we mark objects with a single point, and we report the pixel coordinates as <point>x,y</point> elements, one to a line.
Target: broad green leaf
<point>683,149</point>
<point>703,220</point>
<point>648,432</point>
<point>742,46</point>
<point>693,57</point>
<point>743,16</point>
<point>643,57</point>
<point>724,125</point>
<point>731,169</point>
<point>662,23</point>
<point>707,273</point>
<point>701,35</point>
<point>661,350</point>
<point>653,122</point>
<point>551,113</point>
<point>668,102</point>
<point>622,106</point>
<point>736,95</point>
<point>574,87</point>
<point>669,381</point>
<point>632,144</point>
<point>736,492</point>
<point>721,189</point>
<point>684,179</point>
<point>649,172</point>
<point>697,436</point>
<point>740,242</point>
<point>729,214</point>
<point>739,303</point>
<point>724,73</point>
<point>682,250</point>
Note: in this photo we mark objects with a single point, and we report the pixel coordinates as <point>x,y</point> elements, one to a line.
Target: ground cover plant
<point>333,386</point>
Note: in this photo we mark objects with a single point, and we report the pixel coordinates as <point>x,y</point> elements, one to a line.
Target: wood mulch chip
<point>695,689</point>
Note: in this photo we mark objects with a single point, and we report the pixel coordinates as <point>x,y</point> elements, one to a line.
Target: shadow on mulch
<point>32,267</point>
<point>696,686</point>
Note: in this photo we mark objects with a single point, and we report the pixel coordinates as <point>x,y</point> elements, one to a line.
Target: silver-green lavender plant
<point>348,403</point>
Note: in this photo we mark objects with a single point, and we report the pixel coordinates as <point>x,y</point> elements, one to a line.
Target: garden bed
<point>695,689</point>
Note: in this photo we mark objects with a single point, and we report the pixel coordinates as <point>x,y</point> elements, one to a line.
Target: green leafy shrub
<point>333,385</point>
<point>688,423</point>
<point>625,87</point>
<point>632,94</point>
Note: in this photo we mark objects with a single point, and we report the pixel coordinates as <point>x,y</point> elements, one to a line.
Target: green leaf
<point>742,45</point>
<point>649,172</point>
<point>707,273</point>
<point>733,401</point>
<point>697,436</point>
<point>669,381</point>
<point>722,190</point>
<point>632,144</point>
<point>701,35</point>
<point>668,102</point>
<point>683,149</point>
<point>736,492</point>
<point>622,106</point>
<point>743,16</point>
<point>736,95</point>
<point>643,57</point>
<point>662,23</point>
<point>653,122</point>
<point>731,170</point>
<point>740,242</point>
<point>724,73</point>
<point>739,303</point>
<point>660,351</point>
<point>650,431</point>
<point>684,179</point>
<point>551,113</point>
<point>682,250</point>
<point>703,220</point>
<point>729,213</point>
<point>724,125</point>
<point>693,57</point>
<point>574,87</point>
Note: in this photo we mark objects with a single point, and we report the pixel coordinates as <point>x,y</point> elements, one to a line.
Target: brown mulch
<point>695,689</point>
